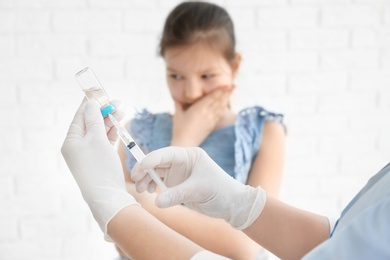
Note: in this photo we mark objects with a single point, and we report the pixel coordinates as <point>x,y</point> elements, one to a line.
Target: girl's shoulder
<point>248,132</point>
<point>144,124</point>
<point>257,115</point>
<point>251,120</point>
<point>147,118</point>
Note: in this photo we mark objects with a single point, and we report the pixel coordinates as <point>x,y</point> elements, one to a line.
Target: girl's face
<point>195,70</point>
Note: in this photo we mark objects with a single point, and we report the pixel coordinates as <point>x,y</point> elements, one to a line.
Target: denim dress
<point>233,147</point>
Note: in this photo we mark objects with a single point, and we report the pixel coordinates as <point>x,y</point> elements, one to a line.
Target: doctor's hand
<point>95,164</point>
<point>197,181</point>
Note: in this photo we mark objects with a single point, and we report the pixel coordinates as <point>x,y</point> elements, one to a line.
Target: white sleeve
<point>207,255</point>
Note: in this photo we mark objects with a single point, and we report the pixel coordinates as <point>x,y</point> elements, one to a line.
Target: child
<point>198,47</point>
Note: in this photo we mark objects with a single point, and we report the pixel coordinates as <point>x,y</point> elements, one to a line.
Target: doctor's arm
<point>286,231</point>
<point>142,236</point>
<point>212,234</point>
<point>192,176</point>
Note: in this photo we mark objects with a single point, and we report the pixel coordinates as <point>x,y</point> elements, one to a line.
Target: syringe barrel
<point>139,155</point>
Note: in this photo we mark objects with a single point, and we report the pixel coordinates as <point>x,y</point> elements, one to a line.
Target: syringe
<point>94,90</point>
<point>135,150</point>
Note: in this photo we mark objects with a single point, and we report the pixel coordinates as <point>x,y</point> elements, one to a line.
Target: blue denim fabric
<point>232,147</point>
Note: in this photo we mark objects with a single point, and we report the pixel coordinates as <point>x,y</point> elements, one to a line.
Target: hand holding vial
<point>101,182</point>
<point>94,90</point>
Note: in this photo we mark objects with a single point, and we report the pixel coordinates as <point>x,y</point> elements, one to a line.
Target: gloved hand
<point>95,164</point>
<point>198,182</point>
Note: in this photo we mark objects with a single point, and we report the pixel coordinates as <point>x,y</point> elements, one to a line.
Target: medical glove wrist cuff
<point>107,204</point>
<point>248,208</point>
<point>106,236</point>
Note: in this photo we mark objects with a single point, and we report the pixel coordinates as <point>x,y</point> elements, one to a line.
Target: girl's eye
<point>207,76</point>
<point>175,76</point>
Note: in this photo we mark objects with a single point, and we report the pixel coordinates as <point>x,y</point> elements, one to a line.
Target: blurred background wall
<point>324,64</point>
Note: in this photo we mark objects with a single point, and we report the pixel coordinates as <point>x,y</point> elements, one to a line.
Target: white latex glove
<point>198,182</point>
<point>95,164</point>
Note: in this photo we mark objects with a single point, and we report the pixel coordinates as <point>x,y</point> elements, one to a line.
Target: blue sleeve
<point>367,236</point>
<point>248,132</point>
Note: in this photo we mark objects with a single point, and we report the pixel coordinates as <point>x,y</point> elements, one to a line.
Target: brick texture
<point>324,64</point>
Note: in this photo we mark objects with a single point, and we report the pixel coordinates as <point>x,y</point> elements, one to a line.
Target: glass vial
<point>94,90</point>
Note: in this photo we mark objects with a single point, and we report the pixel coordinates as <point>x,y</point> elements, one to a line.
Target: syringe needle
<point>135,150</point>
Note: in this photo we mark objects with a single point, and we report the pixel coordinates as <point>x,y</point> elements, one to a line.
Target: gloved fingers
<point>77,126</point>
<point>112,135</point>
<point>93,120</point>
<point>162,158</point>
<point>176,195</point>
<point>152,187</point>
<point>118,114</point>
<point>144,183</point>
<point>164,199</point>
<point>138,173</point>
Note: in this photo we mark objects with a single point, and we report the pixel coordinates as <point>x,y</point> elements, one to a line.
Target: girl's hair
<point>192,22</point>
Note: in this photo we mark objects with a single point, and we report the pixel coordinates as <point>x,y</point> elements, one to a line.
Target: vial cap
<point>107,110</point>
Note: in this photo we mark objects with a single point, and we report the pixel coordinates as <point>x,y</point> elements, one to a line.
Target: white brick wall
<point>325,64</point>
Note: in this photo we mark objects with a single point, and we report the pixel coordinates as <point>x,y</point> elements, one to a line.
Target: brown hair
<point>190,22</point>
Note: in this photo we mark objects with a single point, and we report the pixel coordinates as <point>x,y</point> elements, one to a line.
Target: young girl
<point>198,46</point>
